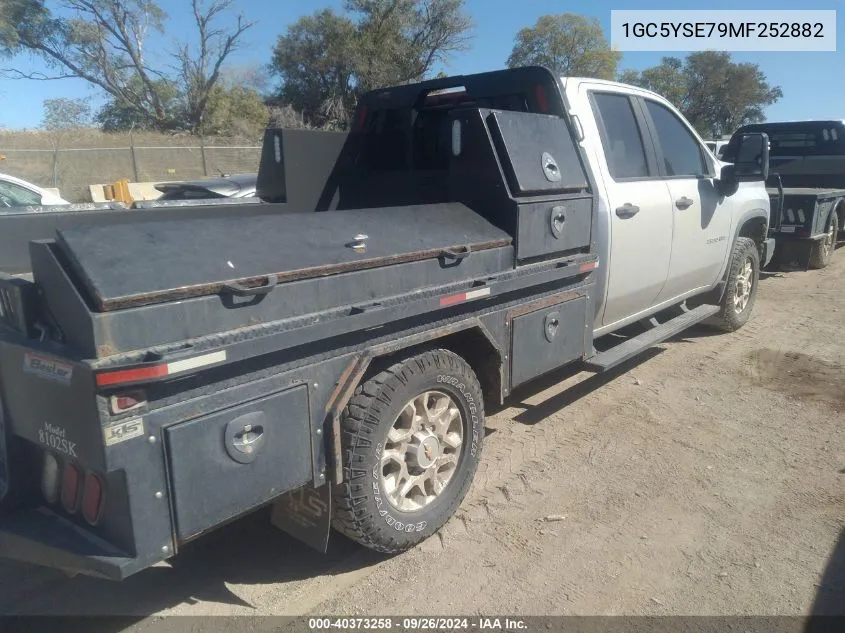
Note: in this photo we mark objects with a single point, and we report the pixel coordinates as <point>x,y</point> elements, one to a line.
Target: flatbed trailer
<point>806,188</point>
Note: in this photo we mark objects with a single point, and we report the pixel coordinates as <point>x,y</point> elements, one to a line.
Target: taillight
<point>93,498</point>
<point>50,478</point>
<point>71,478</point>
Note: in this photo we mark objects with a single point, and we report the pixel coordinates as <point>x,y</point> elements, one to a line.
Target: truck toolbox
<point>224,464</point>
<point>160,283</point>
<point>557,226</point>
<point>541,343</point>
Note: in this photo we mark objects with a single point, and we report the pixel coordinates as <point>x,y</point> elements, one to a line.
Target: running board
<point>618,354</point>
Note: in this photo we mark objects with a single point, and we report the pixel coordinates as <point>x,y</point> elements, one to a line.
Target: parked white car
<point>15,192</point>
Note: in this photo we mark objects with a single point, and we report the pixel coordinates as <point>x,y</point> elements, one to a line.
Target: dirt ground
<point>708,478</point>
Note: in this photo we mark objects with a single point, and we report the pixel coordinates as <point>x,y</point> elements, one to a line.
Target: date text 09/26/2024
<point>418,624</point>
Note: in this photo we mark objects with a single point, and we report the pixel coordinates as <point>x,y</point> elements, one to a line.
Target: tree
<point>316,62</point>
<point>66,114</point>
<point>103,42</point>
<point>401,41</point>
<point>569,44</point>
<point>326,60</point>
<point>235,111</point>
<point>714,93</point>
<point>118,115</point>
<point>61,118</point>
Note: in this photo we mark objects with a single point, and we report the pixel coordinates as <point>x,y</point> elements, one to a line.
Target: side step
<point>633,346</point>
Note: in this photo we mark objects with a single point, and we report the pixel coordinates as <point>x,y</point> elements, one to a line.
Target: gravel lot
<point>707,478</point>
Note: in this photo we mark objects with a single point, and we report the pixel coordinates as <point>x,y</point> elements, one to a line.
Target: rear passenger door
<point>640,208</point>
<point>702,216</point>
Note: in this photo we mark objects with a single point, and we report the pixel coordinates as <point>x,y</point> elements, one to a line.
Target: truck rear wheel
<point>741,289</point>
<point>411,438</point>
<point>822,251</point>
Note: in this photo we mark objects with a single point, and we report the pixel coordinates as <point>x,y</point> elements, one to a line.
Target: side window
<point>12,195</point>
<point>623,143</point>
<point>682,155</point>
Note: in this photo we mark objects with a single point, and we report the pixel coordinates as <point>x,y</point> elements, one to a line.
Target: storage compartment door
<point>546,339</point>
<point>229,462</point>
<point>546,228</point>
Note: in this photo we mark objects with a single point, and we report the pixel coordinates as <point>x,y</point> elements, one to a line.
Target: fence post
<point>56,166</point>
<point>134,158</point>
<point>202,153</point>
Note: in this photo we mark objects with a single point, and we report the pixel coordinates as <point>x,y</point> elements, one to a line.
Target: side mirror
<point>750,158</point>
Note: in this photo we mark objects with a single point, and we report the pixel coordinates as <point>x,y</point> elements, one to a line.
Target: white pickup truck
<point>672,223</point>
<point>329,351</point>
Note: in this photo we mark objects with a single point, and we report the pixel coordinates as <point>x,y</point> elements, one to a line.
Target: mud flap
<point>305,514</point>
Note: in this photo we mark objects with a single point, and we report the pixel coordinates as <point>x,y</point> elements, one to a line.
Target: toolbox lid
<point>155,262</point>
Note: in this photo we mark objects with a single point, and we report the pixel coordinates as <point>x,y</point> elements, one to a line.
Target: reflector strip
<point>464,296</point>
<point>159,371</point>
<point>585,268</point>
<point>196,362</point>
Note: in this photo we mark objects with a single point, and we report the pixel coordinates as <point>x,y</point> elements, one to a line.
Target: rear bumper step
<point>617,355</point>
<point>40,537</point>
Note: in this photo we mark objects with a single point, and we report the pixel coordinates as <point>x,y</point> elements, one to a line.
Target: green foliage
<point>317,63</point>
<point>118,115</point>
<point>236,111</point>
<point>66,114</point>
<point>569,44</point>
<point>326,60</point>
<point>714,93</point>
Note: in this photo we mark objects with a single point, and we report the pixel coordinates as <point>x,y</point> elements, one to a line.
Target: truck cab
<point>667,225</point>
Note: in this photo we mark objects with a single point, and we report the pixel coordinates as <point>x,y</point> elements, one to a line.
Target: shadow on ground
<point>250,551</point>
<point>830,594</point>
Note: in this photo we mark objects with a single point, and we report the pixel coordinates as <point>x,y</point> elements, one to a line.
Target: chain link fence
<point>73,163</point>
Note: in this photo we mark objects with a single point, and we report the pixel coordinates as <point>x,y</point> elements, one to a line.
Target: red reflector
<point>126,402</point>
<point>542,102</point>
<point>803,232</point>
<point>92,501</point>
<point>70,487</point>
<point>131,375</point>
<point>362,117</point>
<point>585,268</point>
<point>452,300</point>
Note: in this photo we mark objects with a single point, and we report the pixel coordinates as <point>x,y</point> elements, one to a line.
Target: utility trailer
<point>807,188</point>
<point>331,360</point>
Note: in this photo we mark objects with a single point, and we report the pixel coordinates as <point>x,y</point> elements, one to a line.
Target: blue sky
<point>812,83</point>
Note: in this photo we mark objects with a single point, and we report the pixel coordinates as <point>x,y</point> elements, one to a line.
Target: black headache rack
<point>503,230</point>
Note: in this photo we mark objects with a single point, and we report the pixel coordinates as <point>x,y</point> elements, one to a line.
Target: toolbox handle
<point>243,291</point>
<point>448,253</point>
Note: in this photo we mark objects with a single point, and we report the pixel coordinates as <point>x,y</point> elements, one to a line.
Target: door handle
<point>627,210</point>
<point>684,203</point>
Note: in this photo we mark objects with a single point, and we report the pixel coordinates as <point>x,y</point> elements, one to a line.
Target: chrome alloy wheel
<point>743,287</point>
<point>422,451</point>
